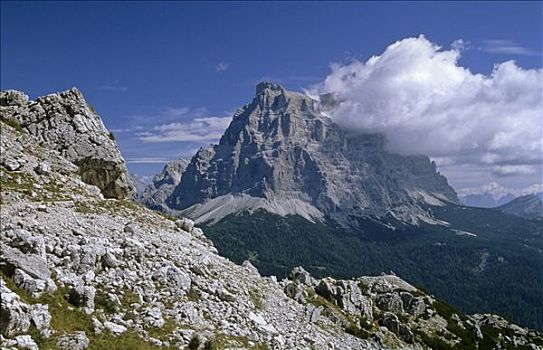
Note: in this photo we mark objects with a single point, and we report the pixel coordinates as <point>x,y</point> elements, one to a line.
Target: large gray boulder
<point>41,318</point>
<point>393,324</point>
<point>390,302</point>
<point>13,313</point>
<point>29,271</point>
<point>76,341</point>
<point>301,275</point>
<point>347,295</point>
<point>66,123</point>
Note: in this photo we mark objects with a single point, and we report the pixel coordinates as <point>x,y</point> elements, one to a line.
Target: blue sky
<point>146,65</point>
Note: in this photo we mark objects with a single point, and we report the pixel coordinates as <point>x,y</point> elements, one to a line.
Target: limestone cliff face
<point>66,123</point>
<point>280,147</point>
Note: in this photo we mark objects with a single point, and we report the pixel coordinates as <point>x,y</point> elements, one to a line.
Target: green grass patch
<point>126,341</point>
<point>129,298</point>
<point>67,319</point>
<point>193,295</point>
<point>433,342</point>
<point>14,124</point>
<point>102,301</point>
<point>224,341</point>
<point>445,310</point>
<point>256,299</point>
<point>162,333</point>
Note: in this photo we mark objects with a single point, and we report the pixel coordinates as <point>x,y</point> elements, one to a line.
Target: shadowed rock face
<point>66,123</point>
<point>281,147</point>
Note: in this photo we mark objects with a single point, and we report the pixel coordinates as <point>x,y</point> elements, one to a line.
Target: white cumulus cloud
<point>498,191</point>
<point>203,129</point>
<point>418,95</point>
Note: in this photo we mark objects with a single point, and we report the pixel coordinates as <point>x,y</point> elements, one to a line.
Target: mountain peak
<point>280,153</point>
<point>267,86</point>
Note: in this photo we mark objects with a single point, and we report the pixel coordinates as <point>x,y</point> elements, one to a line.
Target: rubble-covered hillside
<point>83,271</point>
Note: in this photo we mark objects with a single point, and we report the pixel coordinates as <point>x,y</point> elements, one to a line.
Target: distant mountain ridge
<point>493,194</point>
<point>529,206</point>
<point>281,154</point>
<point>485,200</point>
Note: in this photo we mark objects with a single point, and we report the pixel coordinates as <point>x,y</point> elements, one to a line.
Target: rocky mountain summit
<point>80,270</point>
<point>64,122</point>
<point>281,153</point>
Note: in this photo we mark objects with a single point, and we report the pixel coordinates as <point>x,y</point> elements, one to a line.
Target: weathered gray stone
<point>13,98</point>
<point>390,302</point>
<point>326,288</point>
<point>416,307</point>
<point>11,164</point>
<point>115,329</point>
<point>187,224</point>
<point>33,286</point>
<point>32,264</point>
<point>26,242</point>
<point>131,228</point>
<point>249,266</point>
<point>13,313</point>
<point>393,324</point>
<point>76,341</point>
<point>23,342</point>
<point>225,295</point>
<point>109,260</point>
<point>296,291</point>
<point>406,334</point>
<point>299,274</point>
<point>173,278</point>
<point>83,296</point>
<point>29,271</point>
<point>313,313</point>
<point>41,318</point>
<point>43,168</point>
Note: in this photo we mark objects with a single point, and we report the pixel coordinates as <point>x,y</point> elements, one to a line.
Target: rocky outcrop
<point>393,311</point>
<point>64,122</point>
<point>281,154</point>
